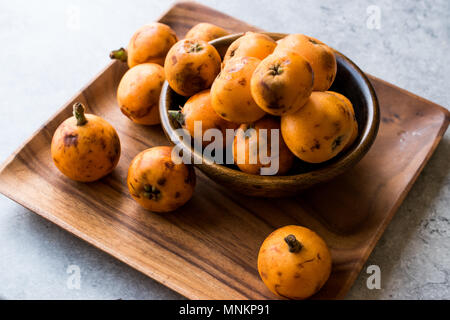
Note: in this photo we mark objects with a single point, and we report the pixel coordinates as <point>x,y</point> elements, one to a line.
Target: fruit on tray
<point>282,83</point>
<point>319,55</point>
<point>198,109</point>
<point>294,262</point>
<point>149,43</point>
<point>349,105</point>
<point>159,184</point>
<point>206,32</point>
<point>85,147</point>
<point>251,44</point>
<point>320,129</point>
<point>267,90</point>
<point>231,96</point>
<point>191,66</point>
<point>138,93</point>
<point>247,143</point>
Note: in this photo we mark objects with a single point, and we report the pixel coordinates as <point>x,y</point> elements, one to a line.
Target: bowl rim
<point>353,155</point>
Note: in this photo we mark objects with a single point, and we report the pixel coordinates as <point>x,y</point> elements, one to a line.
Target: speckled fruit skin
<point>251,44</point>
<point>138,93</point>
<point>157,183</point>
<point>349,105</point>
<point>294,275</point>
<point>191,66</point>
<point>231,97</point>
<point>319,130</point>
<point>206,32</point>
<point>285,156</point>
<point>85,153</point>
<point>319,55</point>
<point>282,83</point>
<point>198,108</point>
<point>150,43</point>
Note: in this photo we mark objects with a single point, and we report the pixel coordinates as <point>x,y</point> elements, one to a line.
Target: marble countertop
<point>51,49</point>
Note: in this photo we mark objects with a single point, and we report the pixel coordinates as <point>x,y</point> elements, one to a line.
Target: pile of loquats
<point>260,84</point>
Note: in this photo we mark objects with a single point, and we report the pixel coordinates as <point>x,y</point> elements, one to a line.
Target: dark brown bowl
<point>350,81</point>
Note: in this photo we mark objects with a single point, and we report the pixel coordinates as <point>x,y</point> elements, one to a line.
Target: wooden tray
<point>208,249</point>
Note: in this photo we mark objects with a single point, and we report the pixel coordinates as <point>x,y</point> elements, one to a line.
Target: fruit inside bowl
<point>322,104</point>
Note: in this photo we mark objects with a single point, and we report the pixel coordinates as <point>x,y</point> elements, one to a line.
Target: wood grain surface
<point>208,248</point>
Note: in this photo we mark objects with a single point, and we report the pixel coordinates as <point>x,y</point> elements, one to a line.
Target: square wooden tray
<point>208,248</point>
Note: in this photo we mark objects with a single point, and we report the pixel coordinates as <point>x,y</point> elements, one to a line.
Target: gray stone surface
<point>47,56</point>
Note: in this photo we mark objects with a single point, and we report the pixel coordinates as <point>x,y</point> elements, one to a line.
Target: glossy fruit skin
<point>231,96</point>
<point>206,32</point>
<point>191,66</point>
<point>138,93</point>
<point>285,156</point>
<point>251,44</point>
<point>198,108</point>
<point>157,183</point>
<point>319,130</point>
<point>319,55</point>
<point>349,105</point>
<point>150,43</point>
<point>294,275</point>
<point>282,83</point>
<point>85,153</point>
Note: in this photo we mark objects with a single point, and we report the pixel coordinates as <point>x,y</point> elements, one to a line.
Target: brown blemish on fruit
<point>242,82</point>
<point>161,181</point>
<point>264,275</point>
<point>300,265</point>
<point>316,145</point>
<point>336,143</point>
<point>279,273</point>
<point>276,287</point>
<point>177,195</point>
<point>174,60</point>
<point>169,165</point>
<point>71,140</point>
<point>327,60</point>
<point>103,143</point>
<point>337,126</point>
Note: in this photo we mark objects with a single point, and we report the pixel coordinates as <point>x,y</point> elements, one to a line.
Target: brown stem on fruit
<point>78,113</point>
<point>151,192</point>
<point>177,115</point>
<point>195,47</point>
<point>119,54</point>
<point>276,70</point>
<point>294,245</point>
